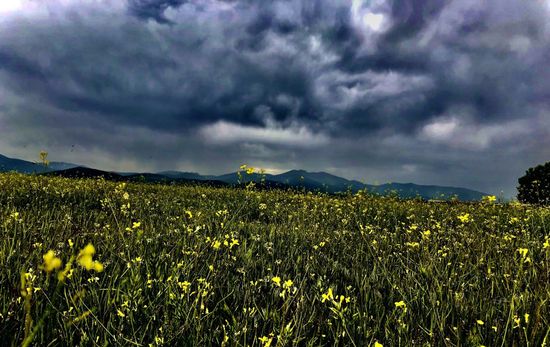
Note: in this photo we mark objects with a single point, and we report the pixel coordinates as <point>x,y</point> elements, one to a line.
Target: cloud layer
<point>444,92</point>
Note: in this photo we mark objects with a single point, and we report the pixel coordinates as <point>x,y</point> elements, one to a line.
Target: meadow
<point>86,262</point>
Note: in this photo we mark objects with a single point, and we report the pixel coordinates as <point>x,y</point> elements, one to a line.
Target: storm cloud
<point>433,92</point>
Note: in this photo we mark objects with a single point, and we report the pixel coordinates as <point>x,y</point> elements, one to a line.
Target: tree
<point>534,187</point>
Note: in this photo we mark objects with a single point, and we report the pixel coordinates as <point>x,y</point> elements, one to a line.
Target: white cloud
<point>223,132</point>
<point>440,130</point>
<point>374,21</point>
<point>367,15</point>
<point>462,133</point>
<point>7,6</point>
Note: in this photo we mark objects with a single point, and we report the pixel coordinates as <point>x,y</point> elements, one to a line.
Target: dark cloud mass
<point>435,92</point>
<point>152,9</point>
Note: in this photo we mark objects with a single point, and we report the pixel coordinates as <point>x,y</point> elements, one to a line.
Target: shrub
<point>534,187</point>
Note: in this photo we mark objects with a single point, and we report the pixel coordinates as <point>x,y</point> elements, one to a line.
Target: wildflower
<point>464,218</point>
<point>523,252</point>
<point>250,170</point>
<point>546,244</point>
<point>126,196</point>
<point>216,244</point>
<point>266,341</point>
<point>67,272</point>
<point>189,214</point>
<point>70,242</point>
<point>120,313</point>
<point>136,225</point>
<point>277,281</point>
<point>234,242</point>
<point>514,220</point>
<point>184,285</point>
<point>489,198</point>
<point>412,244</point>
<point>426,234</point>
<point>288,284</point>
<point>517,321</point>
<point>51,262</point>
<point>327,296</point>
<point>85,259</point>
<point>526,317</point>
<point>378,344</point>
<point>480,322</point>
<point>401,304</point>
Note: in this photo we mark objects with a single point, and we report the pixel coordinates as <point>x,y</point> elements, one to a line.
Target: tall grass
<point>193,265</point>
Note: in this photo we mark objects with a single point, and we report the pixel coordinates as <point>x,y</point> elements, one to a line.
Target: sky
<point>431,92</point>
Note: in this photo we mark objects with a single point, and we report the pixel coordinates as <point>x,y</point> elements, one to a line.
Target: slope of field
<point>149,265</point>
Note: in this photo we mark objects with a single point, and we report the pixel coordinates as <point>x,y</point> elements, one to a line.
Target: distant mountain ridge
<point>11,164</point>
<point>312,181</point>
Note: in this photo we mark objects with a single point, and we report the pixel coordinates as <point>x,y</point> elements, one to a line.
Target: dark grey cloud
<point>445,92</point>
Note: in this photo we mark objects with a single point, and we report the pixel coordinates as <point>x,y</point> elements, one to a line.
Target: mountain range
<point>313,181</point>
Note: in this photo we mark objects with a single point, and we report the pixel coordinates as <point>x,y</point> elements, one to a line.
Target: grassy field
<point>149,265</point>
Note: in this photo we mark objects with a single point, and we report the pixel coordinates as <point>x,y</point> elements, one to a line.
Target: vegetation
<point>534,187</point>
<point>92,262</point>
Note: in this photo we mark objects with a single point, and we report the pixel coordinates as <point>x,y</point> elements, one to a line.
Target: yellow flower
<point>277,281</point>
<point>51,262</point>
<point>412,244</point>
<point>250,171</point>
<point>489,198</point>
<point>216,245</point>
<point>266,341</point>
<point>85,259</point>
<point>480,322</point>
<point>67,272</point>
<point>378,344</point>
<point>523,252</point>
<point>184,285</point>
<point>546,244</point>
<point>401,304</point>
<point>136,225</point>
<point>327,296</point>
<point>517,320</point>
<point>120,313</point>
<point>526,316</point>
<point>288,284</point>
<point>464,218</point>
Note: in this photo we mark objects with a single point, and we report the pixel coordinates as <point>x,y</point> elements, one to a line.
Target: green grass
<point>171,276</point>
